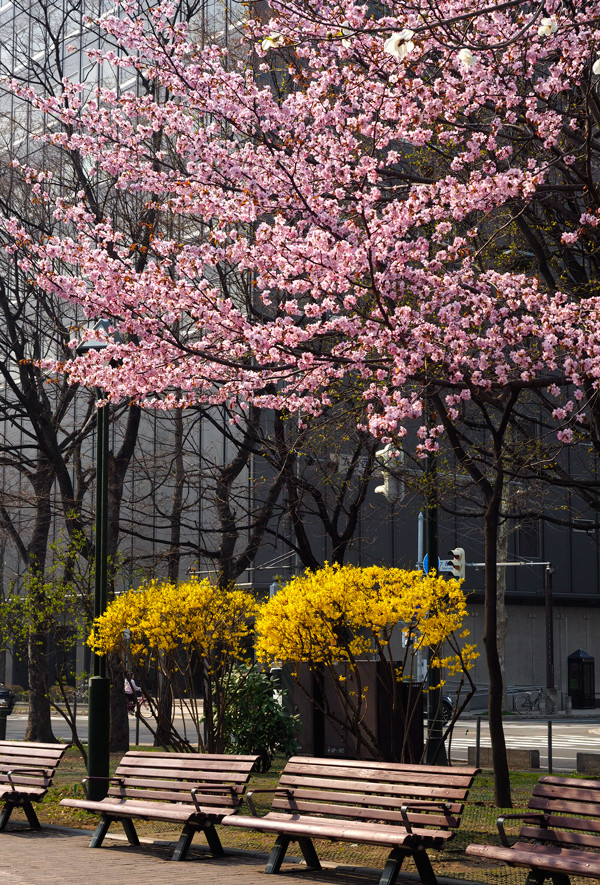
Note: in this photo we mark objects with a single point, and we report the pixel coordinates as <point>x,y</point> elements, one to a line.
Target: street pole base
<point>98,737</point>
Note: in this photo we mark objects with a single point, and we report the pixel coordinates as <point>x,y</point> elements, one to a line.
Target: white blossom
<point>466,58</point>
<point>548,26</point>
<point>346,32</point>
<point>400,44</point>
<point>272,41</point>
<point>596,66</point>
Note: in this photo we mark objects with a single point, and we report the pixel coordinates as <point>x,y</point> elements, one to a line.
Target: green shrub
<point>255,720</point>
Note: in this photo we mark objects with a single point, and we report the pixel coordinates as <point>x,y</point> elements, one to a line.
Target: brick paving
<point>55,855</point>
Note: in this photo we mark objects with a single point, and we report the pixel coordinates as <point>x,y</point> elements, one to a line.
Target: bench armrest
<point>528,817</point>
<point>211,790</point>
<point>419,806</point>
<point>114,780</point>
<point>27,770</point>
<point>274,791</point>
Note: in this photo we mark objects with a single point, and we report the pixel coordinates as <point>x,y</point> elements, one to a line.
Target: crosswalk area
<point>563,739</point>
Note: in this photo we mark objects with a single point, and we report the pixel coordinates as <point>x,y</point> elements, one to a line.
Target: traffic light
<point>391,488</point>
<point>457,562</point>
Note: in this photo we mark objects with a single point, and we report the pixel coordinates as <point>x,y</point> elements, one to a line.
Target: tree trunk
<point>119,719</point>
<point>39,724</point>
<point>500,762</point>
<point>501,618</point>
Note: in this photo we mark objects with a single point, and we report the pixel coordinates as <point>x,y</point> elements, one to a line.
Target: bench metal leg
<point>309,854</point>
<point>101,831</point>
<point>4,815</point>
<point>185,840</point>
<point>130,831</point>
<point>212,837</point>
<point>392,867</point>
<point>423,865</point>
<point>277,854</point>
<point>31,815</point>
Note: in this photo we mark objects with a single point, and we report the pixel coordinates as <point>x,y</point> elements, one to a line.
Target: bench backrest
<point>220,779</point>
<point>28,764</point>
<point>374,791</point>
<point>572,809</point>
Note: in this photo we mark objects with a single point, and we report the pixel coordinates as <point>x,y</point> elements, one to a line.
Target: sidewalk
<point>55,855</point>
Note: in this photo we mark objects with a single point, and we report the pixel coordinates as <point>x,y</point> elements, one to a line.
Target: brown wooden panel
<point>576,793</point>
<point>587,824</point>
<point>202,761</point>
<point>564,806</point>
<point>387,772</point>
<point>352,812</point>
<point>375,788</point>
<point>369,799</point>
<point>419,769</point>
<point>586,783</point>
<point>343,831</point>
<point>560,837</point>
<point>164,797</point>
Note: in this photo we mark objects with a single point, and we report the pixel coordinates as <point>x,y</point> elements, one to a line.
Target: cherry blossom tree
<point>371,177</point>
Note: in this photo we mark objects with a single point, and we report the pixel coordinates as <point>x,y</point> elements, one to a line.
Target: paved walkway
<point>58,855</point>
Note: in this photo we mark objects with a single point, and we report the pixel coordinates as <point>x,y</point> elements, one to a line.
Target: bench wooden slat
<point>577,863</point>
<point>565,806</point>
<point>346,831</point>
<point>403,769</point>
<point>205,799</point>
<point>367,813</point>
<point>162,786</point>
<point>305,766</point>
<point>148,811</point>
<point>378,800</point>
<point>574,823</point>
<point>560,837</point>
<point>376,787</point>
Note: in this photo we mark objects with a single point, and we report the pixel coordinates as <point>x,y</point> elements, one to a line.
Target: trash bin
<point>581,678</point>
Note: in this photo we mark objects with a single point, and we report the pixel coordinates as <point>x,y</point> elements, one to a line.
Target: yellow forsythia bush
<point>334,619</point>
<point>341,613</point>
<point>165,616</point>
<point>194,635</point>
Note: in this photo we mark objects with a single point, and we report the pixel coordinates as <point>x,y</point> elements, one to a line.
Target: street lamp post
<point>99,686</point>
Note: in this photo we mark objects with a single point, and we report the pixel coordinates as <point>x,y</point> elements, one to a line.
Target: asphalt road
<point>569,736</point>
<point>16,725</point>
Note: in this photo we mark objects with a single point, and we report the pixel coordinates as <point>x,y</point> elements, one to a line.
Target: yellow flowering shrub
<point>333,617</point>
<point>191,632</point>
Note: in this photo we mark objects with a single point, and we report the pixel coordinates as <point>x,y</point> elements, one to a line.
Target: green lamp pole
<point>99,686</point>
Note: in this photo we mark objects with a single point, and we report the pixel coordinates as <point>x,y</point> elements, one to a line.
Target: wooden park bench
<point>406,808</point>
<point>560,835</point>
<point>26,772</point>
<point>192,789</point>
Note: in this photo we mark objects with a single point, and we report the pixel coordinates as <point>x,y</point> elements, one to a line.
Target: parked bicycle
<point>538,701</point>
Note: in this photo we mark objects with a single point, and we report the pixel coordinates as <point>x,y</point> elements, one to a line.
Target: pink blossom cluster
<point>346,225</point>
